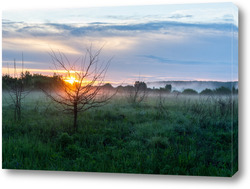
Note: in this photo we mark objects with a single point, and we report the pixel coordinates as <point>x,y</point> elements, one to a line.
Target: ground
<point>177,135</point>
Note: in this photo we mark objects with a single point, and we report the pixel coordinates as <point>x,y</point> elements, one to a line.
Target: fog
<point>196,85</point>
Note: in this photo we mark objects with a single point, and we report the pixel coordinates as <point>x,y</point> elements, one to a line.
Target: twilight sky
<point>153,43</point>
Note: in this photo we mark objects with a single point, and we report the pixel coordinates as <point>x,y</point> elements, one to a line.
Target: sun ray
<point>71,80</point>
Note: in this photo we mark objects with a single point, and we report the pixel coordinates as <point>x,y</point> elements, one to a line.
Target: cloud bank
<point>197,42</point>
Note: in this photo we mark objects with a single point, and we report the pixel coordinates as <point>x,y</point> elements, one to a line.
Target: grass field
<point>184,135</point>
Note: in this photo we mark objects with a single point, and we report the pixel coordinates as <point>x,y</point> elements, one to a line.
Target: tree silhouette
<point>16,89</point>
<point>207,92</point>
<point>137,93</point>
<point>81,88</point>
<point>222,91</point>
<point>190,92</point>
<point>168,88</point>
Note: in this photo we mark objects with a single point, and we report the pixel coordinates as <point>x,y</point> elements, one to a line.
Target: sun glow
<point>71,80</point>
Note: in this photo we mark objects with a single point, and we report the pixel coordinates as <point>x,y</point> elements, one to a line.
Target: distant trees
<point>32,81</point>
<point>168,88</point>
<point>219,91</point>
<point>38,81</point>
<point>234,90</point>
<point>41,82</point>
<point>7,80</point>
<point>108,87</point>
<point>189,92</point>
<point>140,85</point>
<point>137,93</point>
<point>222,91</point>
<point>27,79</point>
<point>207,92</point>
<point>80,90</point>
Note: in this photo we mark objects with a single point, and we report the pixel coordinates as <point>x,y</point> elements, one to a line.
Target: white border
<point>46,4</point>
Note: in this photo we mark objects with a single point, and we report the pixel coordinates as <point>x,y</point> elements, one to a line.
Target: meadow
<point>176,135</point>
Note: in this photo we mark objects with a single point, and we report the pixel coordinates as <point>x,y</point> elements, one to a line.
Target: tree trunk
<point>19,113</point>
<point>15,114</point>
<point>75,116</point>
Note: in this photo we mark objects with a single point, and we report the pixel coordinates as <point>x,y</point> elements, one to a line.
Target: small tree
<point>16,90</point>
<point>137,93</point>
<point>161,103</point>
<point>168,88</point>
<point>80,89</point>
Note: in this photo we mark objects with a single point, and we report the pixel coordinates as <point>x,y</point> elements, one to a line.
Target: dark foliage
<point>207,92</point>
<point>222,91</point>
<point>33,82</point>
<point>189,92</point>
<point>168,88</point>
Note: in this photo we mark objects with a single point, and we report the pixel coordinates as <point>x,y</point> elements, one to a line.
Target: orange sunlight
<point>71,80</point>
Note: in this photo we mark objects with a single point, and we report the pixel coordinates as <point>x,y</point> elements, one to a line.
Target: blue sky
<point>153,43</point>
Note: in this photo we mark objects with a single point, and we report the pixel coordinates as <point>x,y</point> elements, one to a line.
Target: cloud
<point>98,23</point>
<point>108,29</point>
<point>34,44</point>
<point>157,49</point>
<point>149,26</point>
<point>7,21</point>
<point>32,70</point>
<point>20,29</point>
<point>178,16</point>
<point>181,62</point>
<point>228,18</point>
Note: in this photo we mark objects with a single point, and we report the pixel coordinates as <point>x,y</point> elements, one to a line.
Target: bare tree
<point>17,91</point>
<point>81,87</point>
<point>161,102</point>
<point>137,93</point>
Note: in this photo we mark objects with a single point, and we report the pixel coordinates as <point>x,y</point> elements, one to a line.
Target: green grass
<point>187,136</point>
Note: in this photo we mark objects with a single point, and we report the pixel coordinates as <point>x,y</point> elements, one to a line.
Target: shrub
<point>189,92</point>
<point>206,92</point>
<point>168,88</point>
<point>222,91</point>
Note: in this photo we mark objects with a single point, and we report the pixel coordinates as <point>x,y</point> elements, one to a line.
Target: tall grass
<point>194,136</point>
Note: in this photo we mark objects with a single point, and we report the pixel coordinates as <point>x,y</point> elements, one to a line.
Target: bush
<point>189,92</point>
<point>207,92</point>
<point>222,91</point>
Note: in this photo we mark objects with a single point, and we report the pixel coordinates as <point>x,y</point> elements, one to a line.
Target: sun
<point>71,80</point>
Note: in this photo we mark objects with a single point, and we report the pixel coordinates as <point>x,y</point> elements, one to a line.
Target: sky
<point>149,43</point>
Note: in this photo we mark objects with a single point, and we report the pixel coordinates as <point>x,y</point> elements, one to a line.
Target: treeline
<point>218,91</point>
<point>32,81</point>
<point>39,81</point>
<point>168,90</point>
